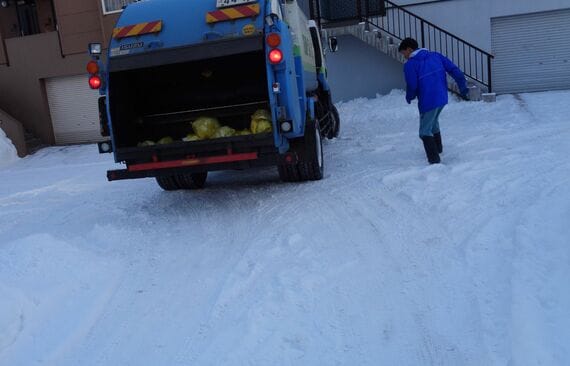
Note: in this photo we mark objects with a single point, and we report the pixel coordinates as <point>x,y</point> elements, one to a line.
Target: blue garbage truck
<point>172,64</point>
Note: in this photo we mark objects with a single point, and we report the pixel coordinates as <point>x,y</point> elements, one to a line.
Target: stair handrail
<point>425,21</point>
<point>479,75</point>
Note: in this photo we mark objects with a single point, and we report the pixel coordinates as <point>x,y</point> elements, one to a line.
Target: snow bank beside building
<point>8,153</point>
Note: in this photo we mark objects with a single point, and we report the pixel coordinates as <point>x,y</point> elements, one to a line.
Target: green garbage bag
<point>224,131</point>
<point>205,127</point>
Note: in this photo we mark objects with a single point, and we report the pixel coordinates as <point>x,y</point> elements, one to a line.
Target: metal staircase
<point>383,24</point>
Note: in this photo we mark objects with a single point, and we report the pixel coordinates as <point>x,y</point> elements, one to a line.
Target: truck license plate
<point>226,3</point>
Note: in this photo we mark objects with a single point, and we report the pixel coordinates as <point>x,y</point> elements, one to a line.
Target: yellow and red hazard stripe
<point>137,29</point>
<point>237,12</point>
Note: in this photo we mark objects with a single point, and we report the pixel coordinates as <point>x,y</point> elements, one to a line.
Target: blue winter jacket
<point>426,79</point>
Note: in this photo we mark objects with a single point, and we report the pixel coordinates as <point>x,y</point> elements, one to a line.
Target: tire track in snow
<point>385,262</point>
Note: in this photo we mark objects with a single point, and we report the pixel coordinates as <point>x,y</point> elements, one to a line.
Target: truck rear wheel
<point>182,181</point>
<point>289,173</point>
<point>311,165</point>
<point>168,183</point>
<point>336,128</point>
<point>192,180</point>
<point>334,123</point>
<point>311,158</point>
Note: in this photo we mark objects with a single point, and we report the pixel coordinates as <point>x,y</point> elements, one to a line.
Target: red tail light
<point>95,82</point>
<point>275,56</point>
<point>92,67</point>
<point>273,40</point>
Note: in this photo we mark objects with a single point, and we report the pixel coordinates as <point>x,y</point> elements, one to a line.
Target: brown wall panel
<point>22,95</point>
<point>79,23</point>
<point>108,22</point>
<point>3,56</point>
<point>9,22</point>
<point>78,30</point>
<point>77,43</point>
<point>36,58</point>
<point>46,17</point>
<point>66,7</point>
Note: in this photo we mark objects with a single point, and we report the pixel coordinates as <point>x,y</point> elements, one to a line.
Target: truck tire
<point>289,173</point>
<point>311,164</point>
<point>336,128</point>
<point>333,128</point>
<point>192,180</point>
<point>311,158</point>
<point>168,183</point>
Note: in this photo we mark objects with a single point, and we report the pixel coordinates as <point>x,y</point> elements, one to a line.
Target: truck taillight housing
<point>94,82</point>
<point>273,40</point>
<point>275,56</point>
<point>92,67</point>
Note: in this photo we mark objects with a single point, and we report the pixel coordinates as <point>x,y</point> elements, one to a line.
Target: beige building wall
<point>22,95</point>
<point>25,62</point>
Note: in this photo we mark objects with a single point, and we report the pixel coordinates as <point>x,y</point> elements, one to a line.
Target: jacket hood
<point>420,54</point>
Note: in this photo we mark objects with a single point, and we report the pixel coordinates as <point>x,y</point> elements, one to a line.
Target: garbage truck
<point>190,87</point>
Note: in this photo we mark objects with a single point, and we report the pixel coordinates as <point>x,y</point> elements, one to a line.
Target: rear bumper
<point>214,163</point>
<point>232,153</point>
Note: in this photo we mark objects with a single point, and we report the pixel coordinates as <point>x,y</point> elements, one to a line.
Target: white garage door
<point>74,110</point>
<point>531,52</point>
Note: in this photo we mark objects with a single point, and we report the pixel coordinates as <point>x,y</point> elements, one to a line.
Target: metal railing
<point>345,10</point>
<point>400,23</point>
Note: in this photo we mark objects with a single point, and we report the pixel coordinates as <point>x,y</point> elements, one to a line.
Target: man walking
<point>425,73</point>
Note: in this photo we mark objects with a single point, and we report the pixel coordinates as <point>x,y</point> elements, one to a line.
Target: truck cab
<point>232,63</point>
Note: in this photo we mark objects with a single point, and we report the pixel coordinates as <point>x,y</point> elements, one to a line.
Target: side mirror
<point>333,44</point>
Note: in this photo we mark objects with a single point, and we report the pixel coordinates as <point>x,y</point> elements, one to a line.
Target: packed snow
<point>387,261</point>
<point>8,153</point>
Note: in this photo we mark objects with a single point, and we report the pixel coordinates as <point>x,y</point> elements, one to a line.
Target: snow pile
<point>387,261</point>
<point>8,153</point>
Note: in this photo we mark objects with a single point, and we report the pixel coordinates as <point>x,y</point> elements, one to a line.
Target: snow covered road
<point>387,261</point>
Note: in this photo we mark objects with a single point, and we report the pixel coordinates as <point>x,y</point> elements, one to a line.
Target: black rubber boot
<point>431,149</point>
<point>437,137</point>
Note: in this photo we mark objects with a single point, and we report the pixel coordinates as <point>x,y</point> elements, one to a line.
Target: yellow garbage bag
<point>191,137</point>
<point>261,126</point>
<point>146,143</point>
<point>261,121</point>
<point>243,132</point>
<point>165,141</point>
<point>224,131</point>
<point>205,127</point>
<point>261,114</point>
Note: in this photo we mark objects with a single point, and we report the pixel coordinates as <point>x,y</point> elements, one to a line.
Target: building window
<point>115,6</point>
<point>19,18</point>
<point>28,17</point>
